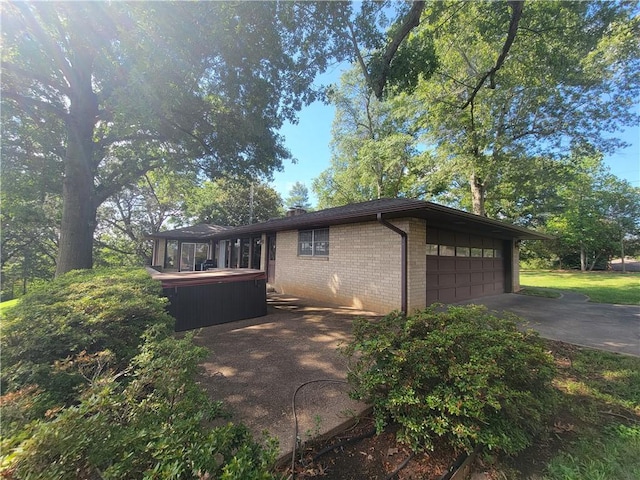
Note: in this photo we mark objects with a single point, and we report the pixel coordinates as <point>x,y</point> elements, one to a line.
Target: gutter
<point>403,260</point>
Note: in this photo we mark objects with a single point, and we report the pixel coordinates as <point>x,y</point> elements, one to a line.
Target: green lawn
<point>600,411</point>
<point>600,287</point>
<point>8,304</point>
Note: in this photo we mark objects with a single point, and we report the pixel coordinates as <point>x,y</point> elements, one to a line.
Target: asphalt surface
<point>573,319</point>
<point>256,366</point>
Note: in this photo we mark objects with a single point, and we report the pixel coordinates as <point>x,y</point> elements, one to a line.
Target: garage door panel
<point>447,295</point>
<point>463,292</point>
<point>476,290</point>
<point>462,264</point>
<point>447,280</point>
<point>476,277</point>
<point>487,277</point>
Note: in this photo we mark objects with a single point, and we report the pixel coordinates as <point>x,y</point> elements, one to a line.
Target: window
<point>432,249</point>
<point>476,252</point>
<point>488,253</point>
<point>313,243</point>
<point>447,251</point>
<point>462,251</point>
<point>171,255</point>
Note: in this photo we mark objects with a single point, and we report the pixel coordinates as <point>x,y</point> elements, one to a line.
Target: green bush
<point>460,375</point>
<point>56,331</point>
<point>153,426</point>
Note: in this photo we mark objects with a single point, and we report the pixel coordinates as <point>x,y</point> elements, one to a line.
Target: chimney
<point>293,211</point>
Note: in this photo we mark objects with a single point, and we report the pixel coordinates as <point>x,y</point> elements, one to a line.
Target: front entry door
<point>271,260</point>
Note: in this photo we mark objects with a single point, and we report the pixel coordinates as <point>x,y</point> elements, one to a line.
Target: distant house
<point>381,255</point>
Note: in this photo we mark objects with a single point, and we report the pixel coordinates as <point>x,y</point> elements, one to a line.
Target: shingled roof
<point>435,215</point>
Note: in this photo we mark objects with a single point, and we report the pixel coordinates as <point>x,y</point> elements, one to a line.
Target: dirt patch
<point>359,454</point>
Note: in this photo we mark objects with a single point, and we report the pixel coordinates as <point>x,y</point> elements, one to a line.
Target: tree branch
<point>516,14</point>
<point>411,20</point>
<point>356,48</point>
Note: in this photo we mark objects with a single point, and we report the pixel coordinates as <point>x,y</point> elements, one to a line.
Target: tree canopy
<point>233,202</point>
<point>571,76</point>
<point>376,148</point>
<point>127,88</point>
<point>298,197</point>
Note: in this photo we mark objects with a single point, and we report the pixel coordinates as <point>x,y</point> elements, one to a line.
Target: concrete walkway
<point>256,367</point>
<point>573,319</point>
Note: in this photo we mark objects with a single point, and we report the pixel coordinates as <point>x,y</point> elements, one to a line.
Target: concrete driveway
<point>574,319</point>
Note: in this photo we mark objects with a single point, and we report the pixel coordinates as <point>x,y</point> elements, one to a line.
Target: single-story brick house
<point>380,255</point>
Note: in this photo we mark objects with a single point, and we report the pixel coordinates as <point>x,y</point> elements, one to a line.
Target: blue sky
<point>308,141</point>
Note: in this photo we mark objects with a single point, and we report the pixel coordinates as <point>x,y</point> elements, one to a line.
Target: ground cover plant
<point>600,287</point>
<point>96,385</point>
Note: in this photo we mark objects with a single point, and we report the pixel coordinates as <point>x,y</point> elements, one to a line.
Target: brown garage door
<point>463,266</point>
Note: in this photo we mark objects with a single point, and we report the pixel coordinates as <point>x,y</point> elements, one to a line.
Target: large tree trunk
<point>78,208</point>
<point>477,195</point>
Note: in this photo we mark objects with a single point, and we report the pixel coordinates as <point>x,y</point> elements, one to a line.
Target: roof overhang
<point>201,231</point>
<point>435,215</point>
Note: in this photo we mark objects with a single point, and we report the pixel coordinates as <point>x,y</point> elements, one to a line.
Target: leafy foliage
<point>233,202</point>
<point>78,315</point>
<point>96,349</point>
<point>150,426</point>
<point>298,197</point>
<point>133,88</point>
<point>462,375</point>
<point>376,151</point>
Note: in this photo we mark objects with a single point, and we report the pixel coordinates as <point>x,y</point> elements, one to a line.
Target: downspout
<point>403,261</point>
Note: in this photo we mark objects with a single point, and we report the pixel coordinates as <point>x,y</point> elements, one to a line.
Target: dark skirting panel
<point>201,300</point>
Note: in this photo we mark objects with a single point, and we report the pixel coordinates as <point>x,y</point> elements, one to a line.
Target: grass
<point>600,287</point>
<point>540,292</point>
<point>615,456</point>
<point>600,392</point>
<point>7,305</point>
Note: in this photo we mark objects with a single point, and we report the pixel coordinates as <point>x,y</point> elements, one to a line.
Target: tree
<point>570,75</point>
<point>31,198</point>
<point>622,212</point>
<point>376,149</point>
<point>298,197</point>
<point>233,202</point>
<point>598,212</point>
<point>127,219</point>
<point>135,87</point>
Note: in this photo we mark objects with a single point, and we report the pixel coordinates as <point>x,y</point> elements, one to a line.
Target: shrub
<point>64,323</point>
<point>460,374</point>
<point>152,426</point>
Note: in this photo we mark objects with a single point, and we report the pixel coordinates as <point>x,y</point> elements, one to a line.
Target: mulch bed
<point>359,454</point>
